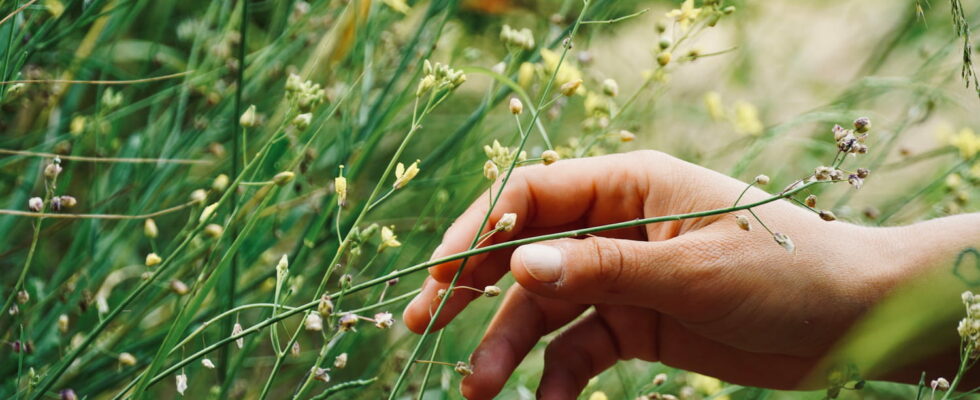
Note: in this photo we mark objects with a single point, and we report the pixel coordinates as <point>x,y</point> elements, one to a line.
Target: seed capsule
<point>550,157</point>
<point>516,107</point>
<point>743,223</point>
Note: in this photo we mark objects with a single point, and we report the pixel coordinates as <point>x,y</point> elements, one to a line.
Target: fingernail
<point>437,252</point>
<point>543,263</point>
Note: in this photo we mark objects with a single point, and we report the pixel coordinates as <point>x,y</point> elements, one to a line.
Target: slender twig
<point>98,216</point>
<point>127,160</point>
<point>11,15</point>
<point>117,82</point>
<point>614,20</point>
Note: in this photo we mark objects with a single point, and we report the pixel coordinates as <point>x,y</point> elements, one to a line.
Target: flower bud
<point>384,320</point>
<point>67,394</point>
<point>348,322</point>
<point>811,201</point>
<point>506,222</point>
<point>743,223</point>
<point>340,186</point>
<point>827,215</point>
<point>179,287</point>
<point>341,361</point>
<point>152,259</point>
<point>463,369</point>
<point>404,175</point>
<point>150,228</point>
<point>784,241</point>
<point>664,43</point>
<point>550,157</point>
<point>63,322</point>
<point>313,322</point>
<point>660,379</point>
<point>207,363</point>
<point>214,230</point>
<point>569,89</point>
<point>491,291</point>
<point>282,178</point>
<point>52,170</point>
<point>610,88</point>
<point>516,107</point>
<point>863,173</point>
<point>762,180</point>
<point>35,204</point>
<point>249,118</point>
<point>490,170</point>
<point>67,201</point>
<point>626,136</point>
<point>235,331</point>
<point>23,296</point>
<point>127,359</point>
<point>663,58</point>
<point>862,125</point>
<point>303,121</point>
<point>325,308</point>
<point>220,183</point>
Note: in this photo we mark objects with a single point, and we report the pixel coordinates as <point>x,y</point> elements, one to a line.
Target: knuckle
<point>609,259</point>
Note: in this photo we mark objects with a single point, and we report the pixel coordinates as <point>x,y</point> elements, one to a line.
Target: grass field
<point>184,181</point>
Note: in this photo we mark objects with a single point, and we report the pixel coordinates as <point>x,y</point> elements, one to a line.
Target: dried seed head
<point>506,222</point>
<point>610,88</point>
<point>743,223</point>
<point>822,173</point>
<point>207,363</point>
<point>127,359</point>
<point>35,204</point>
<point>384,320</point>
<point>199,195</point>
<point>516,107</point>
<point>178,287</point>
<point>63,323</point>
<point>827,215</point>
<point>491,291</point>
<point>811,201</point>
<point>863,173</point>
<point>284,177</point>
<point>784,241</point>
<point>626,136</point>
<point>214,230</point>
<point>341,361</point>
<point>463,369</point>
<point>550,157</point>
<point>237,330</point>
<point>23,296</point>
<point>152,259</point>
<point>348,322</point>
<point>325,308</point>
<point>313,322</point>
<point>660,379</point>
<point>862,125</point>
<point>150,228</point>
<point>220,183</point>
<point>663,58</point>
<point>249,118</point>
<point>570,88</point>
<point>490,170</point>
<point>762,180</point>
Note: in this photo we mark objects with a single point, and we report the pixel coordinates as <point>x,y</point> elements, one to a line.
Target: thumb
<point>599,270</point>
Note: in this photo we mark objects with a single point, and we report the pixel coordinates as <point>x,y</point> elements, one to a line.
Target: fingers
<point>670,276</point>
<point>575,356</point>
<point>571,193</point>
<point>520,323</point>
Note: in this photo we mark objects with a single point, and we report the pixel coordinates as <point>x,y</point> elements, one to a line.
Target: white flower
<point>207,363</point>
<point>506,222</point>
<point>313,322</point>
<point>35,204</point>
<point>181,383</point>
<point>384,320</point>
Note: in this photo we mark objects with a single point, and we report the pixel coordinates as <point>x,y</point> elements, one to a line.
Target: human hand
<point>697,294</point>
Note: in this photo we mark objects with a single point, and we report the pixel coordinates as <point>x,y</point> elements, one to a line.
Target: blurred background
<point>755,89</point>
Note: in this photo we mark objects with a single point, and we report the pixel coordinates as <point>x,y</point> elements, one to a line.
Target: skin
<point>698,294</point>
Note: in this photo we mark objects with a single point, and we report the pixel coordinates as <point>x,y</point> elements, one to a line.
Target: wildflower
<point>235,331</point>
<point>663,58</point>
<point>491,291</point>
<point>348,322</point>
<point>127,359</point>
<point>570,88</point>
<point>550,157</point>
<point>388,238</point>
<point>214,230</point>
<point>747,119</point>
<point>712,103</point>
<point>340,186</point>
<point>303,121</point>
<point>207,363</point>
<point>685,15</point>
<point>383,320</point>
<point>35,204</point>
<point>152,259</point>
<point>743,223</point>
<point>784,241</point>
<point>855,181</point>
<point>150,228</point>
<point>111,99</point>
<point>463,369</point>
<point>490,170</point>
<point>67,394</point>
<point>425,84</point>
<point>198,196</point>
<point>181,383</point>
<point>63,323</point>
<point>610,88</point>
<point>660,379</point>
<point>762,180</point>
<point>940,384</point>
<point>516,107</point>
<point>282,178</point>
<point>501,155</point>
<point>506,222</point>
<point>811,201</point>
<point>626,136</point>
<point>321,374</point>
<point>249,119</point>
<point>220,183</point>
<point>827,215</point>
<point>523,38</point>
<point>862,125</point>
<point>178,287</point>
<point>313,322</point>
<point>341,361</point>
<point>404,175</point>
<point>325,308</point>
<point>306,94</point>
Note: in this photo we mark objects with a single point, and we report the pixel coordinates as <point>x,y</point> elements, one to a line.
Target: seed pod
<point>490,170</point>
<point>152,259</point>
<point>626,136</point>
<point>610,88</point>
<point>63,323</point>
<point>207,363</point>
<point>550,157</point>
<point>491,291</point>
<point>663,58</point>
<point>282,178</point>
<point>811,201</point>
<point>516,107</point>
<point>827,215</point>
<point>325,308</point>
<point>862,125</point>
<point>249,118</point>
<point>506,222</point>
<point>660,379</point>
<point>220,183</point>
<point>67,201</point>
<point>23,296</point>
<point>784,241</point>
<point>743,223</point>
<point>863,173</point>
<point>762,180</point>
<point>463,369</point>
<point>569,89</point>
<point>150,228</point>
